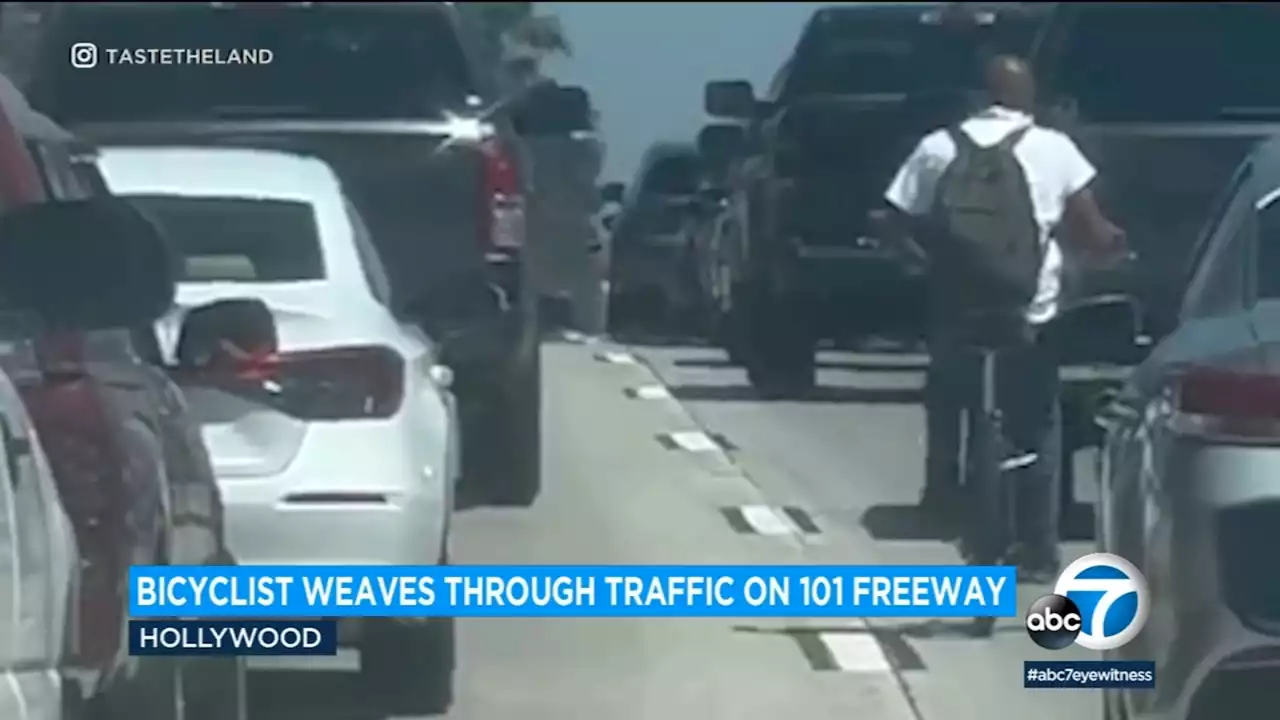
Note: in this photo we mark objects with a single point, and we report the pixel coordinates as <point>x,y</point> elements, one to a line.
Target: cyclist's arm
<point>1085,222</point>
<point>910,195</point>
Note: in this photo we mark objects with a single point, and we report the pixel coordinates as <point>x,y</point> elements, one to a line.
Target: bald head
<point>1011,83</point>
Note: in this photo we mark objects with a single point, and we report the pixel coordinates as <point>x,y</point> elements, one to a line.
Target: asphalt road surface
<point>661,455</point>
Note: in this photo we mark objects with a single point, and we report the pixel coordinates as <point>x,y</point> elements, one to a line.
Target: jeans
<point>1029,396</point>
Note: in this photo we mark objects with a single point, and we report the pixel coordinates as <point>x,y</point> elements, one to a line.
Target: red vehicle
<point>136,485</point>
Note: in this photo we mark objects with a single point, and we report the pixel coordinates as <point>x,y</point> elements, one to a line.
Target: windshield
<point>239,239</point>
<point>299,62</point>
<point>1180,61</point>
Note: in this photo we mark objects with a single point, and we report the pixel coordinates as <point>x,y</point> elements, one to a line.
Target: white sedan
<point>351,456</point>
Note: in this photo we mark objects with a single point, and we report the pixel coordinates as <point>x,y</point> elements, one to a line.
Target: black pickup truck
<point>865,82</point>
<point>395,98</point>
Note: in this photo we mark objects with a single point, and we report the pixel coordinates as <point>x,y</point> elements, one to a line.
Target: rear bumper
<point>1211,502</point>
<point>369,498</point>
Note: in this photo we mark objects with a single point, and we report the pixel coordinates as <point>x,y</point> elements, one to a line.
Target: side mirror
<point>730,99</point>
<point>612,192</point>
<point>232,336</point>
<point>85,264</point>
<point>719,144</point>
<point>550,109</point>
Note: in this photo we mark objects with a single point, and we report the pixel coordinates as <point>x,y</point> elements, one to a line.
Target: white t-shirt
<point>1055,170</point>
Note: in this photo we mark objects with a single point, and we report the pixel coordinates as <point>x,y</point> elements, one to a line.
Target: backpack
<point>988,254</point>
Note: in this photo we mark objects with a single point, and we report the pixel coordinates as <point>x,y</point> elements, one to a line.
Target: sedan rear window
<point>238,239</point>
<point>330,62</point>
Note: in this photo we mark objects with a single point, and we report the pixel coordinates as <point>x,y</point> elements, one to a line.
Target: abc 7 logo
<point>1114,595</point>
<point>84,55</point>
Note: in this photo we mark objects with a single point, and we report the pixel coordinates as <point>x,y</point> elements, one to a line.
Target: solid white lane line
<point>766,520</point>
<point>856,651</point>
<point>649,392</point>
<point>694,441</point>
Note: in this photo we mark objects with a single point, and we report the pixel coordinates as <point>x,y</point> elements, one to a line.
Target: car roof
<point>218,172</point>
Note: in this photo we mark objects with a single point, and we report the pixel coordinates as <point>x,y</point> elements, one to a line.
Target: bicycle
<point>991,533</point>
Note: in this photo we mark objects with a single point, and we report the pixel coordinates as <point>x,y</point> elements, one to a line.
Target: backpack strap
<point>1011,140</point>
<point>961,139</point>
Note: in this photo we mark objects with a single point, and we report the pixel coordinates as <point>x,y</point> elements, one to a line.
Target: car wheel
<point>513,474</point>
<point>407,668</point>
<point>782,360</point>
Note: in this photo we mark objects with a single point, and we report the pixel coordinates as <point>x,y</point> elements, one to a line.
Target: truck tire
<point>512,450</point>
<point>780,346</point>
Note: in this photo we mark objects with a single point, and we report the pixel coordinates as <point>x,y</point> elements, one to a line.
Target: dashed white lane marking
<point>765,520</point>
<point>856,651</point>
<point>614,357</point>
<point>649,392</point>
<point>694,441</point>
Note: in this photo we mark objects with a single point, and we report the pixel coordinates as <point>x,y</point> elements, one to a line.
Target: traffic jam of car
<point>301,314</point>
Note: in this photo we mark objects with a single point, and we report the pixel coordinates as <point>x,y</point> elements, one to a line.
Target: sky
<point>645,63</point>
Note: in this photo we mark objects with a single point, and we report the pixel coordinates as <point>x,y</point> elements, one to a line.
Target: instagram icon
<point>84,55</point>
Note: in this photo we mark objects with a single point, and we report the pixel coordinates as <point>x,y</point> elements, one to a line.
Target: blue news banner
<point>160,596</point>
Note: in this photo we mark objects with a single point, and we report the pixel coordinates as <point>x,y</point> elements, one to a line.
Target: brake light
<point>331,384</point>
<point>1233,404</point>
<point>502,218</point>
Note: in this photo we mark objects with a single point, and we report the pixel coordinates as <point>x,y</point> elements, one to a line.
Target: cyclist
<point>1055,179</point>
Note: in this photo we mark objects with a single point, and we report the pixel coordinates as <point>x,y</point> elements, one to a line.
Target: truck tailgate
<point>843,153</point>
<point>419,195</point>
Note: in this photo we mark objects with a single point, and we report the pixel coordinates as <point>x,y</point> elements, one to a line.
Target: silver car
<point>1190,472</point>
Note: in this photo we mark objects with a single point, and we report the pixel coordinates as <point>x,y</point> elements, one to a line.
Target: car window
<point>375,274</point>
<point>228,239</point>
<point>1221,205</point>
<point>331,61</point>
<point>1182,61</point>
<point>1217,283</point>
